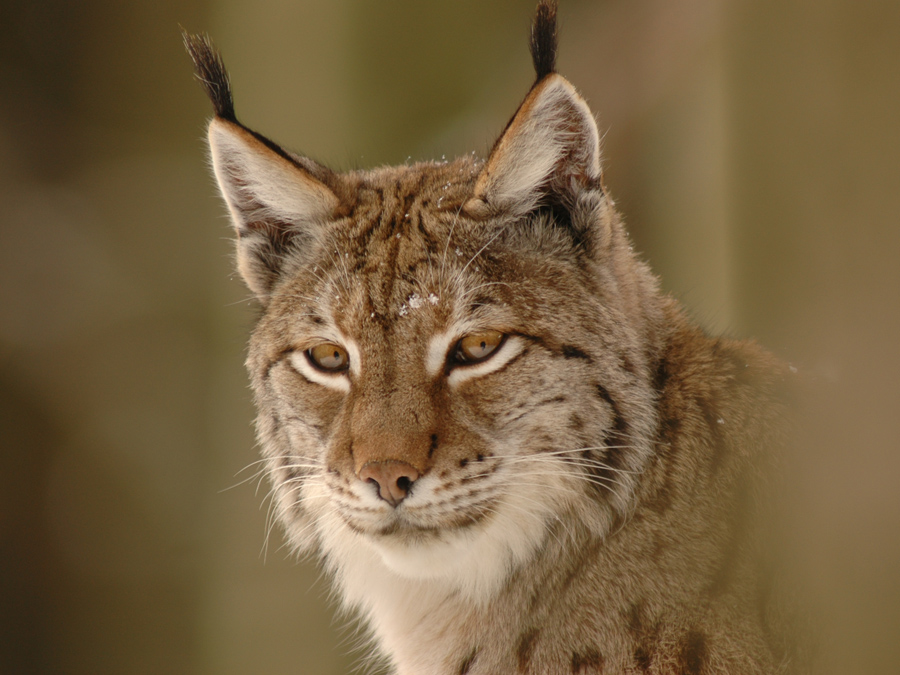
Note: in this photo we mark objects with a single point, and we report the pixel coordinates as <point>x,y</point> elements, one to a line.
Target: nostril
<point>393,478</point>
<point>404,483</point>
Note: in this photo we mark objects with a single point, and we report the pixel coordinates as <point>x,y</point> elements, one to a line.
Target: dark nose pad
<point>393,478</point>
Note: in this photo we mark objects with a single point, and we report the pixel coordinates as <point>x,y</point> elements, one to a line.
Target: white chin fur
<point>473,562</point>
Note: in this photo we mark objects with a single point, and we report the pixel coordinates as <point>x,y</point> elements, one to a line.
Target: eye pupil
<point>329,356</point>
<point>477,346</point>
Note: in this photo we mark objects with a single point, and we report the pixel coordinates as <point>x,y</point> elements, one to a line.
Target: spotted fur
<point>580,501</point>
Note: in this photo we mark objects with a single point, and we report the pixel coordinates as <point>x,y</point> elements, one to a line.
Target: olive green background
<point>753,146</point>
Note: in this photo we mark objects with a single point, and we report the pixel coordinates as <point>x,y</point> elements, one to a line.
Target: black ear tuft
<point>210,70</point>
<point>543,39</point>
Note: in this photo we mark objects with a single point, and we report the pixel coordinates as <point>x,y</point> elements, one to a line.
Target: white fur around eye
<point>508,349</point>
<point>339,381</point>
<point>300,362</point>
<point>437,352</point>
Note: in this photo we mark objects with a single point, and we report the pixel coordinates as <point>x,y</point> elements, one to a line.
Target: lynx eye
<point>329,357</point>
<point>477,347</point>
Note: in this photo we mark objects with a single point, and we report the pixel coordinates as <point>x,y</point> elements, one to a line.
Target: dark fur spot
<point>463,462</point>
<point>550,401</point>
<point>480,301</point>
<point>645,634</point>
<point>642,657</point>
<point>613,459</point>
<point>433,446</point>
<point>668,429</point>
<point>274,363</point>
<point>589,660</point>
<point>616,441</point>
<point>431,244</point>
<point>559,217</point>
<point>604,394</point>
<point>467,662</point>
<point>288,466</point>
<point>479,458</point>
<point>575,422</point>
<point>410,274</point>
<point>518,417</point>
<point>694,653</point>
<point>533,338</point>
<point>620,426</point>
<point>572,352</point>
<point>662,375</point>
<point>525,648</point>
<point>635,618</point>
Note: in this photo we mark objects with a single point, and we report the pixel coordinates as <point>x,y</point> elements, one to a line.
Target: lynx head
<point>451,356</point>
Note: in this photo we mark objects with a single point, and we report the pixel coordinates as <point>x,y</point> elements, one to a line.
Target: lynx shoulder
<point>512,452</point>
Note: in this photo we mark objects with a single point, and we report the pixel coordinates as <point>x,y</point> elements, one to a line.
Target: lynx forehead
<point>478,409</point>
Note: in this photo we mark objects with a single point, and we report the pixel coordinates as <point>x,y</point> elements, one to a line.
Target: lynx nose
<point>393,478</point>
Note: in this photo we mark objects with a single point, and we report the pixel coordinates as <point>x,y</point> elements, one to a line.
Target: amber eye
<point>329,357</point>
<point>477,346</point>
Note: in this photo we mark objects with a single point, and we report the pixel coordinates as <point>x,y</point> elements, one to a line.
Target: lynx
<point>512,452</point>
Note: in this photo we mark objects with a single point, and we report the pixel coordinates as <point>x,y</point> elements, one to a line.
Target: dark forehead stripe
<point>390,242</point>
<point>431,240</point>
<point>374,249</point>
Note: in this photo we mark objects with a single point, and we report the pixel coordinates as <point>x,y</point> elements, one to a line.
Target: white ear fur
<point>551,140</point>
<point>259,185</point>
<point>272,201</point>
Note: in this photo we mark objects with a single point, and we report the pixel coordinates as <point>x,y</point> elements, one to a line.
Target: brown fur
<point>588,499</point>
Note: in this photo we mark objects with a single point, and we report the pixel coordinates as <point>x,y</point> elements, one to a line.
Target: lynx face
<point>513,452</point>
<point>455,360</point>
<point>440,388</point>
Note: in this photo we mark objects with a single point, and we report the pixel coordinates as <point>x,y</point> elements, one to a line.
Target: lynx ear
<point>551,148</point>
<point>276,199</point>
<point>275,202</point>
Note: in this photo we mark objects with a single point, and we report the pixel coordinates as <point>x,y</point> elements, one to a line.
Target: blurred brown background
<point>753,146</point>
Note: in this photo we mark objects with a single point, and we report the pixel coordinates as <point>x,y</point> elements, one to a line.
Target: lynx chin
<point>511,451</point>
